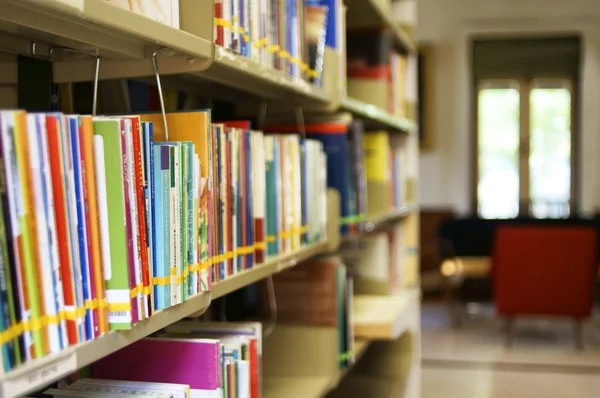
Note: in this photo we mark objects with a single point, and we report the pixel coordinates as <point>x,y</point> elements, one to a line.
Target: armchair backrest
<point>544,270</point>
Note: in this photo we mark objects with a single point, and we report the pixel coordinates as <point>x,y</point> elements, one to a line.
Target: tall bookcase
<point>386,324</point>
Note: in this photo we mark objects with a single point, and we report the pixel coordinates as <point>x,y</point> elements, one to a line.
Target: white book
<point>176,230</point>
<point>175,390</point>
<point>36,126</point>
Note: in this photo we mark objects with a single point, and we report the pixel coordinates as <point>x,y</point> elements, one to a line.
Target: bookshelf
<point>125,43</point>
<point>38,373</point>
<point>376,117</point>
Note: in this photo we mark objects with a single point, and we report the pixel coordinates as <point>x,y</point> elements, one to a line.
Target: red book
<point>219,37</point>
<point>141,214</point>
<point>62,228</point>
<point>135,316</point>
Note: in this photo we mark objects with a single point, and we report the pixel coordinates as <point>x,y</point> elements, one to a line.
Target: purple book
<point>195,362</point>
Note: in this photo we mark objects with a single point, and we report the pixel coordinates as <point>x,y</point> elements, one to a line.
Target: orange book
<point>87,149</point>
<point>194,127</point>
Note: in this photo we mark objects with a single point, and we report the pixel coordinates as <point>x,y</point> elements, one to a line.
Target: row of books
<point>384,263</point>
<point>188,359</point>
<point>284,34</point>
<point>316,293</point>
<point>214,359</point>
<point>370,171</point>
<point>105,222</point>
<point>390,180</point>
<point>378,74</point>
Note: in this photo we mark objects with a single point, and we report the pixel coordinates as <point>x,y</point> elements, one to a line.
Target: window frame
<point>525,85</point>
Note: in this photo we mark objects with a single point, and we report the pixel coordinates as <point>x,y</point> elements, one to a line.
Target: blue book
<point>162,217</point>
<point>219,202</point>
<point>81,234</point>
<point>148,142</point>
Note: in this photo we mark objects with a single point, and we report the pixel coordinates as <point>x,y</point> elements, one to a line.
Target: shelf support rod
<point>160,93</point>
<point>71,50</point>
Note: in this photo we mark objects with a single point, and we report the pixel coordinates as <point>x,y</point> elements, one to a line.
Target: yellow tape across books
<point>271,238</point>
<point>118,307</point>
<point>260,245</point>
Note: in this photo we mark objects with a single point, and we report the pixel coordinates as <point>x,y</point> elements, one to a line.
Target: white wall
<point>447,25</point>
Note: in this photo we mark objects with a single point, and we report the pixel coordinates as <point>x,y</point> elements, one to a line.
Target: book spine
<point>54,125</point>
<point>111,217</point>
<point>43,258</point>
<point>249,202</point>
<point>134,277</point>
<point>260,199</point>
<point>18,167</point>
<point>190,246</point>
<point>89,325</point>
<point>150,202</point>
<point>174,222</point>
<point>11,314</point>
<point>72,123</point>
<point>87,172</point>
<point>220,234</point>
<point>209,252</point>
<point>140,196</point>
<point>229,204</point>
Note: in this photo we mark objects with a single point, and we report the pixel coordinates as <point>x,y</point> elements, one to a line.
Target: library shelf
<point>296,386</point>
<point>381,220</point>
<point>38,373</point>
<point>381,317</point>
<point>375,13</point>
<point>233,70</point>
<point>376,117</point>
<point>310,386</point>
<point>95,25</point>
<point>270,267</point>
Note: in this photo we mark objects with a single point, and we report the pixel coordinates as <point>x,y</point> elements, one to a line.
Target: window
<point>525,128</point>
<point>524,148</point>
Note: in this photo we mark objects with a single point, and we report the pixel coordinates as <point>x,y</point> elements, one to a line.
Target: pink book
<point>135,317</point>
<point>195,362</point>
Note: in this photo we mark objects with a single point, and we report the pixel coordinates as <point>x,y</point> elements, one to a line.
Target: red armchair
<point>544,270</point>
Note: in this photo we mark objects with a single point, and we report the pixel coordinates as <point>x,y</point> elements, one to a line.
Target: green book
<point>109,173</point>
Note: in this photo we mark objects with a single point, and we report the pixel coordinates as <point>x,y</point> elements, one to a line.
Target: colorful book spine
<point>54,125</point>
<point>87,143</point>
<point>140,196</point>
<point>111,199</point>
<point>162,217</point>
<point>82,228</point>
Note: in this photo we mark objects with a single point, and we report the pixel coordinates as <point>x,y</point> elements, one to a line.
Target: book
<point>111,190</point>
<point>183,361</point>
<point>164,11</point>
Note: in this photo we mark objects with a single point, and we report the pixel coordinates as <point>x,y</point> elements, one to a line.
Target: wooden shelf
<point>38,373</point>
<point>380,221</point>
<point>296,387</point>
<point>271,267</point>
<point>385,317</point>
<point>95,25</point>
<point>376,117</point>
<point>376,13</point>
<point>308,386</point>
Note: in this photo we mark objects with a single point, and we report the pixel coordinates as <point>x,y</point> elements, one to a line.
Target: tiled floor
<point>471,362</point>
